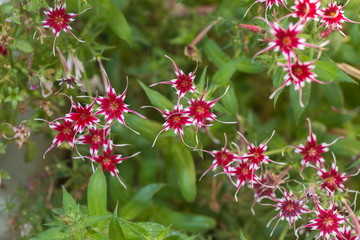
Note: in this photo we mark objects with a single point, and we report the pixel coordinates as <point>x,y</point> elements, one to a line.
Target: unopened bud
<point>326,33</point>
<point>252,28</point>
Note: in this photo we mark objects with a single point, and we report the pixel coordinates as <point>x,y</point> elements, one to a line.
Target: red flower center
<point>67,130</point>
<point>224,156</point>
<point>287,41</point>
<point>331,180</point>
<point>298,71</point>
<point>59,19</point>
<point>96,139</point>
<point>328,222</point>
<point>244,171</point>
<point>312,152</point>
<point>176,119</point>
<point>290,207</point>
<point>106,160</point>
<point>114,106</point>
<point>200,110</point>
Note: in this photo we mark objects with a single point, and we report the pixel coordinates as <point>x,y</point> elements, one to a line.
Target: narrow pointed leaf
<point>215,54</point>
<point>186,171</point>
<point>156,98</point>
<point>247,65</point>
<point>116,20</point>
<point>327,71</point>
<point>96,194</point>
<point>115,230</point>
<point>140,201</point>
<point>226,71</point>
<point>69,203</point>
<point>183,221</point>
<point>202,82</point>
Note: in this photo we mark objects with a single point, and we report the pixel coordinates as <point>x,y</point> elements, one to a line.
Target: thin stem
<point>275,151</point>
<point>352,217</point>
<point>284,232</point>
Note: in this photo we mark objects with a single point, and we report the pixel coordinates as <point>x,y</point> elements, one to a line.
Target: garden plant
<point>179,119</point>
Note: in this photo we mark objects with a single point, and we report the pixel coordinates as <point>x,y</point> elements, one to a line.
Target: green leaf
<point>147,128</point>
<point>116,20</point>
<point>224,74</point>
<point>115,230</point>
<point>242,237</point>
<point>4,175</point>
<point>34,6</point>
<point>163,233</point>
<point>140,201</point>
<point>328,71</point>
<point>133,231</point>
<point>185,170</point>
<point>93,220</point>
<point>247,65</point>
<point>201,85</point>
<point>52,233</point>
<point>295,101</point>
<point>333,94</point>
<point>215,54</point>
<point>69,203</point>
<point>278,79</point>
<point>183,221</point>
<point>346,147</point>
<point>157,99</point>
<point>230,102</point>
<point>21,45</point>
<point>96,194</point>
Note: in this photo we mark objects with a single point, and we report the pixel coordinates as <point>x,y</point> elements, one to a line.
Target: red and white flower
<point>108,160</point>
<point>312,150</point>
<point>290,208</point>
<point>346,234</point>
<point>333,16</point>
<point>58,20</point>
<point>297,74</point>
<point>176,119</point>
<point>243,174</point>
<point>182,83</point>
<point>286,40</point>
<point>21,134</point>
<point>222,158</point>
<point>306,9</point>
<point>113,106</point>
<point>82,117</point>
<point>66,133</point>
<point>255,155</point>
<point>332,179</point>
<point>96,139</point>
<point>328,222</point>
<point>199,110</point>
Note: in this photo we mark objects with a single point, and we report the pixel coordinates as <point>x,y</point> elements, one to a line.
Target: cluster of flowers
<point>82,125</point>
<point>241,169</point>
<point>197,114</point>
<point>288,42</point>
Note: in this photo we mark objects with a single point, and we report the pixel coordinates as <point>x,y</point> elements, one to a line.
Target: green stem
<point>275,151</point>
<point>284,231</point>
